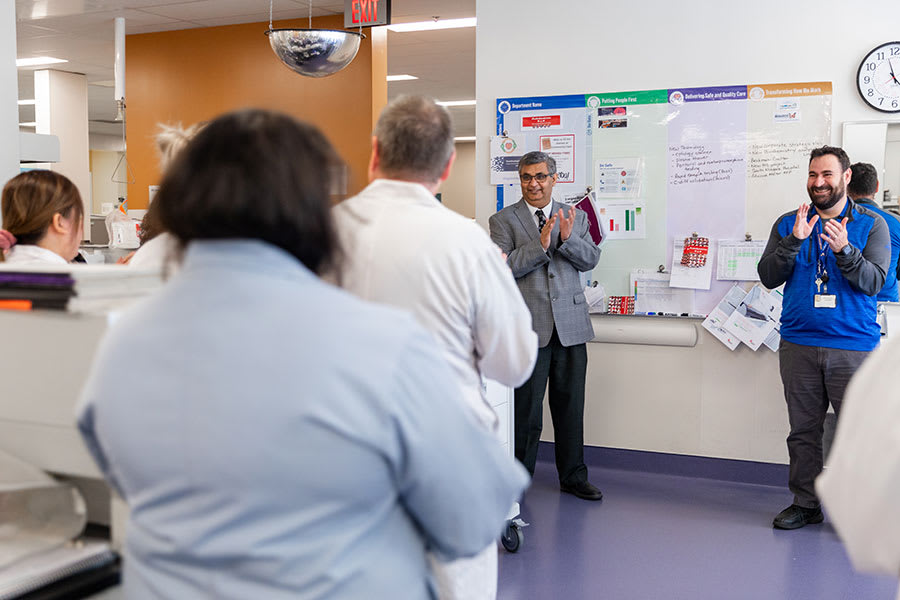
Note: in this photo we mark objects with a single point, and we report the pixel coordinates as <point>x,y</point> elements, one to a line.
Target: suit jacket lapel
<point>525,214</point>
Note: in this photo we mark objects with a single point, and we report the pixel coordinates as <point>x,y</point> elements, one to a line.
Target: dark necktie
<point>542,220</point>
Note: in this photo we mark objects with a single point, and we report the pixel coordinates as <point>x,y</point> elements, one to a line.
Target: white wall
<point>61,109</point>
<point>892,163</point>
<point>104,190</point>
<point>532,48</point>
<point>458,192</point>
<point>102,141</point>
<point>703,400</point>
<point>9,92</point>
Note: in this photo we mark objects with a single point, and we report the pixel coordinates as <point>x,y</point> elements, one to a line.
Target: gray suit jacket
<point>549,281</point>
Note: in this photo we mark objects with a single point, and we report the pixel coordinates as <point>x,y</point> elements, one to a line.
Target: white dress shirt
<point>26,255</point>
<point>547,210</point>
<point>404,248</point>
<point>860,488</point>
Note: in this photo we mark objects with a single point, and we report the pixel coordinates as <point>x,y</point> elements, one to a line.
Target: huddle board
<point>662,165</point>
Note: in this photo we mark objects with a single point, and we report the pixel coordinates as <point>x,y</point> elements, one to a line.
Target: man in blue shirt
<point>832,256</point>
<point>862,189</point>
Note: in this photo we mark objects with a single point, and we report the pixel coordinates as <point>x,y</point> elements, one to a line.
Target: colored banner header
<point>782,90</point>
<point>626,98</point>
<point>504,105</point>
<point>708,94</point>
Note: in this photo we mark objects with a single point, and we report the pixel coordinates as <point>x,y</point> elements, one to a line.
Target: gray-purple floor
<point>662,536</point>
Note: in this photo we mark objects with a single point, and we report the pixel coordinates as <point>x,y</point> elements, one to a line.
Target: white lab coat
<point>404,248</point>
<point>25,255</point>
<point>860,488</point>
<point>159,253</point>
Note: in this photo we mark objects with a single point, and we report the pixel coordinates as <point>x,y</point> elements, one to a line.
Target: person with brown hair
<point>831,255</point>
<point>43,216</point>
<point>297,442</point>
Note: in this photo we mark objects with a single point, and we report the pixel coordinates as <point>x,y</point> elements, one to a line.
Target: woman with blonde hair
<point>43,217</point>
<point>157,246</point>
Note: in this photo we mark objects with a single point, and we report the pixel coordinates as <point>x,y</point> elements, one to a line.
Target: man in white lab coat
<point>861,485</point>
<point>404,248</point>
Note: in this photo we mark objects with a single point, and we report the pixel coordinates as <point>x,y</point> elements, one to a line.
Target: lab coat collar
<point>401,191</point>
<point>25,254</point>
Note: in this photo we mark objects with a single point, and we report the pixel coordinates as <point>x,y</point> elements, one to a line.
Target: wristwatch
<point>846,250</point>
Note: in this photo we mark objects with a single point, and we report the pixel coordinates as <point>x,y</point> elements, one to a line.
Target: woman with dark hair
<point>42,217</point>
<point>296,442</point>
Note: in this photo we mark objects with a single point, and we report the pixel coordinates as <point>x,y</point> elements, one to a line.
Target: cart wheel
<point>513,537</point>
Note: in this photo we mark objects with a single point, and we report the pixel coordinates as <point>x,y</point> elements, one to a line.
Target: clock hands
<point>891,62</point>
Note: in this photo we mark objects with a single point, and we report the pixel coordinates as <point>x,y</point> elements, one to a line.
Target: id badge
<point>826,301</point>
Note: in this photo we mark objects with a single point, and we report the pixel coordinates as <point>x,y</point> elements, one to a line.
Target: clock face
<point>878,78</point>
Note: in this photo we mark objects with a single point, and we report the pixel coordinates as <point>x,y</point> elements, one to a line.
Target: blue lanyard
<point>821,269</point>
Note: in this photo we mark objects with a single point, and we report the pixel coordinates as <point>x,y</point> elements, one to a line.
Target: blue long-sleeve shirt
<point>888,293</point>
<point>854,279</point>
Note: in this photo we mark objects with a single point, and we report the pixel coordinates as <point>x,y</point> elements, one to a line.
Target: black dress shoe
<point>795,517</point>
<point>583,490</point>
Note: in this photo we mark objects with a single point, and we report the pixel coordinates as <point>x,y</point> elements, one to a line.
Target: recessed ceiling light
<point>26,102</point>
<point>38,60</point>
<point>429,25</point>
<point>455,102</point>
<point>401,77</point>
<point>464,138</point>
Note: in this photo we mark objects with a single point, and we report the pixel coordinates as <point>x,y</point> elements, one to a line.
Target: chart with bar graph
<point>623,220</point>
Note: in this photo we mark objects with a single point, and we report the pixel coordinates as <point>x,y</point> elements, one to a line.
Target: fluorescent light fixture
<point>455,102</point>
<point>38,60</point>
<point>32,124</point>
<point>26,102</point>
<point>429,25</point>
<point>464,138</point>
<point>401,77</point>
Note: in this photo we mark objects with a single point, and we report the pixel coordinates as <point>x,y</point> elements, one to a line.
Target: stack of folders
<point>74,288</point>
<point>64,572</point>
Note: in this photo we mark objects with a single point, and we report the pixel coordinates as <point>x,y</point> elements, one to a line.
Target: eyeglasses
<point>541,177</point>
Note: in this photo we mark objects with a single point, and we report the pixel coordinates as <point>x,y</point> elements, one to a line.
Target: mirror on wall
<point>878,143</point>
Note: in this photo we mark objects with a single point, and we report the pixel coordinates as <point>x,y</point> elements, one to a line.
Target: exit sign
<point>367,13</point>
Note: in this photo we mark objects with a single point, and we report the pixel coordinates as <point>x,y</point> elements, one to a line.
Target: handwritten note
<point>695,164</point>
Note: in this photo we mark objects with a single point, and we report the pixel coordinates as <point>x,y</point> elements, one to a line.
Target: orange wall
<point>196,74</point>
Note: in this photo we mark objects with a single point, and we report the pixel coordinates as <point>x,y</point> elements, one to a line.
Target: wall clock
<point>878,78</point>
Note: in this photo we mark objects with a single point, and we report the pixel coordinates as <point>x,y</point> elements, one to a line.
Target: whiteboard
<point>722,162</point>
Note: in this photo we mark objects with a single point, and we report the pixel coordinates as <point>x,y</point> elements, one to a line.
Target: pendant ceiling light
<point>313,52</point>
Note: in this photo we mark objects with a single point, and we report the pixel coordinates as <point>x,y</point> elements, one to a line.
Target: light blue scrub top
<point>275,437</point>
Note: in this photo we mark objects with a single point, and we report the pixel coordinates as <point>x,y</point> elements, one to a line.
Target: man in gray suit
<point>547,245</point>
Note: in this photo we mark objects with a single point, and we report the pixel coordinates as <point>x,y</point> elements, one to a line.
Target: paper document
<point>623,219</point>
<point>653,295</point>
<point>699,274</point>
<point>753,317</point>
<point>737,260</point>
<point>506,150</point>
<point>596,298</point>
<point>715,322</point>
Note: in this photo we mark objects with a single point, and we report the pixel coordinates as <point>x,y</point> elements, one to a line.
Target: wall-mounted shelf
<point>38,148</point>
